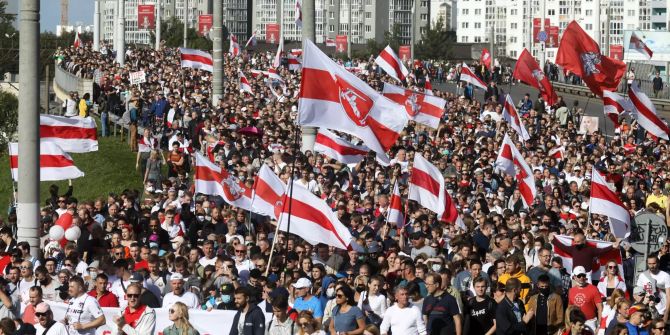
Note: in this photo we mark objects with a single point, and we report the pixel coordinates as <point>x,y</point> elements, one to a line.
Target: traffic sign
<point>542,36</point>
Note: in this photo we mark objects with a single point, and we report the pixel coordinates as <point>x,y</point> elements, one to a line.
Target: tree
<point>9,111</point>
<point>373,48</point>
<point>393,37</point>
<point>173,34</point>
<point>435,43</point>
<point>9,41</point>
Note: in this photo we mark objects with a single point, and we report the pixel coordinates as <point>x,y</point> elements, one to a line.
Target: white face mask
<point>534,228</point>
<point>436,267</point>
<point>330,292</point>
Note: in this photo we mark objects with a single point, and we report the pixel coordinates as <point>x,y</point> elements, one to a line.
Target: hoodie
<point>327,280</point>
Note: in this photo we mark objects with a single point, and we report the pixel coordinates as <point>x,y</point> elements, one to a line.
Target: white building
<point>68,29</point>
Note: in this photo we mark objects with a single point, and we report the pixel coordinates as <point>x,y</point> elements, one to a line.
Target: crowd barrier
<point>215,322</point>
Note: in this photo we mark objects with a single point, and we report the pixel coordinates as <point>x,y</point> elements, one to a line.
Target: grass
<point>110,169</point>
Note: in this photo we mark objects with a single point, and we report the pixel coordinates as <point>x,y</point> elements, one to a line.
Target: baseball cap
<point>302,283</point>
<point>579,270</point>
<point>42,307</point>
<point>176,276</point>
<point>136,277</point>
<point>634,309</point>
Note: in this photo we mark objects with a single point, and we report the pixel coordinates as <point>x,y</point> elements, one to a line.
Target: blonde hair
<point>306,314</point>
<point>182,322</point>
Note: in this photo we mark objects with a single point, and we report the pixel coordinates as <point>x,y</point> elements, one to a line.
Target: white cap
<point>578,270</point>
<point>302,283</point>
<point>176,276</point>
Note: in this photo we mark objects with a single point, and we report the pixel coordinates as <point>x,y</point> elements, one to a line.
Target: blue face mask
<point>226,298</point>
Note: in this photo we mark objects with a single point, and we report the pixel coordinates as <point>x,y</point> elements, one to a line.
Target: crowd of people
<point>166,246</point>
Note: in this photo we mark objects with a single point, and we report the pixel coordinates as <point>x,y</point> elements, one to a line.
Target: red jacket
<point>107,300</point>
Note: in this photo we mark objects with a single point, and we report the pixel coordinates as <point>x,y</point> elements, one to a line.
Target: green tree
<point>9,111</point>
<point>172,32</point>
<point>436,43</point>
<point>392,37</point>
<point>9,41</point>
<point>373,48</point>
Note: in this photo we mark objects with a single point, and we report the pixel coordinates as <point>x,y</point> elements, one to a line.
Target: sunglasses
<point>39,315</point>
<point>581,276</point>
<point>611,266</point>
<point>659,328</point>
<point>340,295</point>
<point>132,295</point>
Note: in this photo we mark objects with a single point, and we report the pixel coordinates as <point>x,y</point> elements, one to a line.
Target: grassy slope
<point>110,169</point>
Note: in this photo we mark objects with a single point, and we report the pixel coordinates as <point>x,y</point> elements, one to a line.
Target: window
<point>424,17</point>
<point>478,39</point>
<point>478,11</point>
<point>368,15</point>
<point>588,26</point>
<point>465,11</point>
<point>331,15</point>
<point>464,39</point>
<point>422,30</point>
<point>368,2</point>
<point>513,25</point>
<point>563,11</point>
<point>551,12</point>
<point>464,25</point>
<point>589,12</point>
<point>512,53</point>
<point>631,12</point>
<point>424,4</point>
<point>513,12</point>
<point>331,28</point>
<point>478,25</point>
<point>368,28</point>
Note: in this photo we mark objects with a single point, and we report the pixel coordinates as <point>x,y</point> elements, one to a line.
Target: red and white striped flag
<point>298,14</point>
<point>211,179</point>
<point>605,202</point>
<point>614,105</point>
<point>599,263</point>
<point>273,74</point>
<point>146,144</point>
<point>234,48</point>
<point>244,83</point>
<point>332,97</point>
<point>511,115</point>
<point>252,40</point>
<point>268,192</point>
<point>391,64</point>
<point>428,87</point>
<point>637,44</point>
<point>422,108</point>
<point>72,134</point>
<point>337,148</point>
<point>557,152</point>
<point>450,214</point>
<point>426,185</point>
<point>77,40</point>
<point>330,42</point>
<point>395,208</point>
<point>196,59</point>
<point>468,76</point>
<point>645,113</point>
<point>311,218</point>
<point>55,163</point>
<point>294,60</point>
<point>280,49</point>
<point>512,163</point>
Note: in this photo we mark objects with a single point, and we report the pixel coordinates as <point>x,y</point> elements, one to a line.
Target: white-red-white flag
<point>599,265</point>
<point>428,87</point>
<point>645,113</point>
<point>557,152</point>
<point>330,42</point>
<point>395,208</point>
<point>422,108</point>
<point>294,60</point>
<point>268,192</point>
<point>512,117</point>
<point>77,40</point>
<point>196,59</point>
<point>339,149</point>
<point>252,40</point>
<point>280,49</point>
<point>605,202</point>
<point>614,105</point>
<point>450,214</point>
<point>55,163</point>
<point>72,134</point>
<point>245,86</point>
<point>512,163</point>
<point>298,14</point>
<point>637,44</point>
<point>468,76</point>
<point>311,218</point>
<point>234,48</point>
<point>426,185</point>
<point>332,97</point>
<point>146,144</point>
<point>211,179</point>
<point>391,64</point>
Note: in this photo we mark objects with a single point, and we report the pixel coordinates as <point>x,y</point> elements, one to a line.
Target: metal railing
<point>68,82</point>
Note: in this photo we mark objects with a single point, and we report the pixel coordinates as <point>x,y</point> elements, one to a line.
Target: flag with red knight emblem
<point>528,71</point>
<point>422,108</point>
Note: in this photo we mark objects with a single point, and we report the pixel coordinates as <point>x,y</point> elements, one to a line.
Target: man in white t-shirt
<point>119,286</point>
<point>179,293</point>
<point>657,283</point>
<point>47,325</point>
<point>83,315</point>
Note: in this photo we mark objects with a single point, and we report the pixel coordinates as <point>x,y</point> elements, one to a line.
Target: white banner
<point>138,77</point>
<point>207,323</point>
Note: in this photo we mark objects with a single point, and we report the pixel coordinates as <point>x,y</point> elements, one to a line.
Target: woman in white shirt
<point>372,301</point>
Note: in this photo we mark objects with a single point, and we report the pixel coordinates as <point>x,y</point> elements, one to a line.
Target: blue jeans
<point>104,120</point>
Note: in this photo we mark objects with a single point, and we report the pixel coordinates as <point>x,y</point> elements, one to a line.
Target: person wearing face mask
<point>227,298</point>
<point>548,307</point>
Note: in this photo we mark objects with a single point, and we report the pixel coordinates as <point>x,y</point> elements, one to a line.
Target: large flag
<point>268,192</point>
<point>512,163</point>
<point>337,148</point>
<point>294,62</point>
<point>73,134</point>
<point>196,59</point>
<point>146,144</point>
<point>468,76</point>
<point>450,214</point>
<point>605,202</point>
<point>280,48</point>
<point>77,40</point>
<point>244,83</point>
<point>426,185</point>
<point>422,108</point>
<point>55,163</point>
<point>637,44</point>
<point>579,53</point>
<point>391,64</point>
<point>614,105</point>
<point>311,218</point>
<point>599,263</point>
<point>428,87</point>
<point>645,113</point>
<point>395,208</point>
<point>211,179</point>
<point>298,14</point>
<point>512,117</point>
<point>234,48</point>
<point>332,97</point>
<point>528,71</point>
<point>485,58</point>
<point>252,40</point>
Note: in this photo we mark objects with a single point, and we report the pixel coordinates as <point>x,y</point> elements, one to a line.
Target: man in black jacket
<point>249,319</point>
<point>511,316</point>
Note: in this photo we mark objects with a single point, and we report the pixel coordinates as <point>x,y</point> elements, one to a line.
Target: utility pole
<point>115,28</point>
<point>607,29</point>
<point>185,21</point>
<point>96,26</point>
<point>158,24</point>
<point>121,34</point>
<point>281,24</point>
<point>543,44</point>
<point>412,22</point>
<point>217,54</point>
<point>28,209</point>
<point>308,33</point>
<point>492,44</point>
<point>529,9</point>
<point>351,6</point>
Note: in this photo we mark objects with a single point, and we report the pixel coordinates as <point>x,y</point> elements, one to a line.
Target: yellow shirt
<point>525,282</point>
<point>660,199</point>
<point>83,108</point>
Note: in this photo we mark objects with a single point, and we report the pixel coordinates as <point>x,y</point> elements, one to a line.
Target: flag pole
<point>272,250</point>
<point>9,151</point>
<point>290,195</point>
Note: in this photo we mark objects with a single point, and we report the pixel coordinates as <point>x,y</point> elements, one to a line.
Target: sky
<point>79,11</point>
